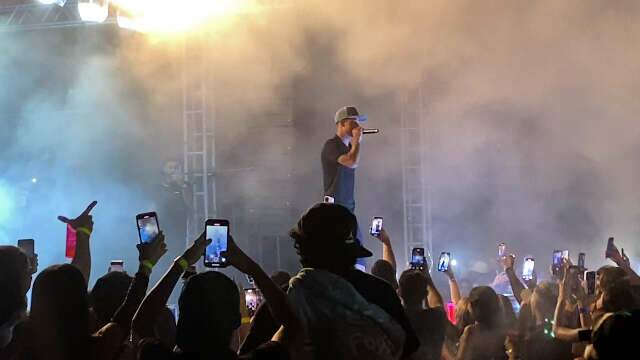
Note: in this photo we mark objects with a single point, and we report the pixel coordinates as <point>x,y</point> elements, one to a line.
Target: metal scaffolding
<point>415,190</point>
<point>34,16</point>
<point>198,118</point>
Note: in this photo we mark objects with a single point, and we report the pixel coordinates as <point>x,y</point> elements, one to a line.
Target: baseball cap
<point>349,112</point>
<point>333,224</point>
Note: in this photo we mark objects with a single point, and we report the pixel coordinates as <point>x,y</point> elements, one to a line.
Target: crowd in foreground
<point>328,310</point>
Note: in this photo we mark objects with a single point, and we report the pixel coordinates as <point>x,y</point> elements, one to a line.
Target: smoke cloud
<point>530,129</point>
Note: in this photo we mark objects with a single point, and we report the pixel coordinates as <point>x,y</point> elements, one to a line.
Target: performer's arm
<point>351,158</point>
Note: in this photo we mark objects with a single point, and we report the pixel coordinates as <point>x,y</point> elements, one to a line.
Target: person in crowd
<point>15,281</point>
<point>59,319</point>
<point>281,278</point>
<point>324,239</point>
<point>384,270</point>
<point>209,306</point>
<point>485,338</point>
<point>615,336</point>
<point>428,321</point>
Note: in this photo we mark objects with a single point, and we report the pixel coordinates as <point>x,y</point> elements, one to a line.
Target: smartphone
<point>590,278</point>
<point>610,247</point>
<point>581,258</point>
<point>502,248</point>
<point>72,238</point>
<point>253,298</point>
<point>28,246</point>
<point>376,226</point>
<point>218,231</point>
<point>116,265</point>
<point>250,280</point>
<point>329,200</point>
<point>556,263</point>
<point>418,261</point>
<point>148,227</point>
<point>443,262</point>
<point>565,254</point>
<point>527,268</point>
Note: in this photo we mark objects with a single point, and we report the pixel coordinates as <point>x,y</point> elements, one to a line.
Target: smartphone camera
<point>556,262</point>
<point>376,226</point>
<point>527,268</point>
<point>590,278</point>
<point>329,200</point>
<point>216,230</point>
<point>443,262</point>
<point>418,261</point>
<point>148,227</point>
<point>502,249</point>
<point>253,299</point>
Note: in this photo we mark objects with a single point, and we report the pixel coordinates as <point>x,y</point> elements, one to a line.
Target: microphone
<point>370,131</point>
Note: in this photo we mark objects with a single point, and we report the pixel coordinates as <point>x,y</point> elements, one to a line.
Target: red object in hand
<point>451,312</point>
<point>71,242</point>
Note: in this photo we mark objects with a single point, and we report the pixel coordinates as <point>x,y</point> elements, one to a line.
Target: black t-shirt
<point>429,325</point>
<point>373,289</point>
<point>339,180</point>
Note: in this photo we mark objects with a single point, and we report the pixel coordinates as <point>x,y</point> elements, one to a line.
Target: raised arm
<point>352,158</point>
<point>83,226</point>
<point>148,256</point>
<point>144,319</point>
<point>275,298</point>
<point>434,299</point>
<point>561,329</point>
<point>387,249</point>
<point>508,262</point>
<point>453,286</point>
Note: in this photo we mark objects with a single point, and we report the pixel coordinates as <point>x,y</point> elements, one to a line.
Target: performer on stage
<point>340,156</point>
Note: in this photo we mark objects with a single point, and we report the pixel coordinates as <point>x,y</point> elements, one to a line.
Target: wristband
<point>84,230</point>
<point>245,320</point>
<point>148,264</point>
<point>183,263</point>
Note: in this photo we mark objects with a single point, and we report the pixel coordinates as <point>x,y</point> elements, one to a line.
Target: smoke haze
<point>530,137</point>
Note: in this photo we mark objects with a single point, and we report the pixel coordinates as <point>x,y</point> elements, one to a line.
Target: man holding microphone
<point>340,156</point>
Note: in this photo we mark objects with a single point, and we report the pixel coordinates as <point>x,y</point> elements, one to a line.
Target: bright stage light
<point>34,180</point>
<point>93,10</point>
<point>454,262</point>
<point>49,2</point>
<point>169,17</point>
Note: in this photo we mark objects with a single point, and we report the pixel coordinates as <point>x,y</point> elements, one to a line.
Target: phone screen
<point>27,245</point>
<point>502,248</point>
<point>72,238</point>
<point>417,258</point>
<point>565,254</point>
<point>253,299</point>
<point>443,262</point>
<point>376,226</point>
<point>527,268</point>
<point>218,232</point>
<point>148,227</point>
<point>557,261</point>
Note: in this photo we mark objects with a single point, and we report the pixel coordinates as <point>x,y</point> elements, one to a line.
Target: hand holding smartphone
<point>443,262</point>
<point>376,226</point>
<point>216,230</point>
<point>528,268</point>
<point>418,261</point>
<point>148,227</point>
<point>116,266</point>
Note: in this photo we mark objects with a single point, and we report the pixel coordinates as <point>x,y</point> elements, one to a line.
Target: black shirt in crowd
<point>339,180</point>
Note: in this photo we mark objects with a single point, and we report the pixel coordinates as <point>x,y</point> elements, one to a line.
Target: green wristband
<point>148,264</point>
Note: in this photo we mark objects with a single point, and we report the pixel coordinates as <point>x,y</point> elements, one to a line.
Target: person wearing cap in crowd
<point>340,157</point>
<point>324,238</point>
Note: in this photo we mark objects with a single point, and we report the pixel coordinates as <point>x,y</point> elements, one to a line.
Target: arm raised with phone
<point>83,226</point>
<point>275,298</point>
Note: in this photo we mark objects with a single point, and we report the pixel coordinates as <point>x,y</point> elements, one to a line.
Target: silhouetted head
<point>108,294</point>
<point>412,287</point>
<point>209,313</point>
<point>485,306</point>
<point>281,278</point>
<point>15,280</point>
<point>383,269</point>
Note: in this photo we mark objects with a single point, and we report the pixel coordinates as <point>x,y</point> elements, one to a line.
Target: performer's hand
<point>356,135</point>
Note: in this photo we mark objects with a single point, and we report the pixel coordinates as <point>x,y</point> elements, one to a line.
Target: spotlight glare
<point>34,180</point>
<point>49,2</point>
<point>454,262</point>
<point>93,10</point>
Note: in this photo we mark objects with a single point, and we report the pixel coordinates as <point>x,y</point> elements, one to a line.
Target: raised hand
<point>196,250</point>
<point>153,250</point>
<point>508,262</point>
<point>356,135</point>
<point>383,237</point>
<point>83,220</point>
<point>238,258</point>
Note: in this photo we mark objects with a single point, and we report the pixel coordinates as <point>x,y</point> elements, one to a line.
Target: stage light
<point>93,10</point>
<point>49,2</point>
<point>454,262</point>
<point>34,180</point>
